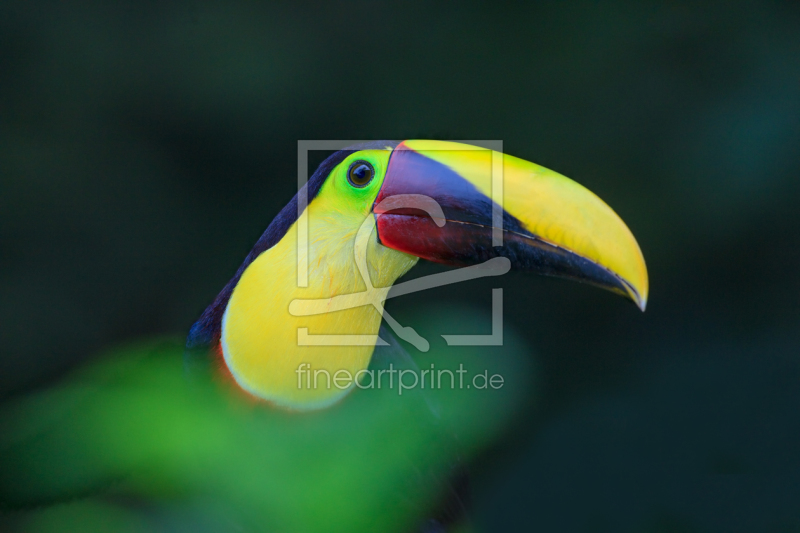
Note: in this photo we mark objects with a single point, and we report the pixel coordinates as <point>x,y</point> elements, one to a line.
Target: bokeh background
<point>145,146</point>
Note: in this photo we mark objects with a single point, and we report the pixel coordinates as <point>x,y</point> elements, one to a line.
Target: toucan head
<point>392,204</point>
<point>449,203</point>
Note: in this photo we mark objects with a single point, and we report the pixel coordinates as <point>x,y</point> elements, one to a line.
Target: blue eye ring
<point>360,173</point>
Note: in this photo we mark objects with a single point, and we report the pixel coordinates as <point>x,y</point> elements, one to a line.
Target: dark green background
<point>144,147</point>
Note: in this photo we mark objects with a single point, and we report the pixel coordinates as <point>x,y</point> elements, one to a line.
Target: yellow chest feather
<point>265,346</point>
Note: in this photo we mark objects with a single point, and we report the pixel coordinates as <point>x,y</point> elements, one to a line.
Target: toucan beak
<point>547,223</point>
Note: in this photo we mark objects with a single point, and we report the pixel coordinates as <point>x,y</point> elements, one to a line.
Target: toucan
<point>393,203</point>
<point>233,432</point>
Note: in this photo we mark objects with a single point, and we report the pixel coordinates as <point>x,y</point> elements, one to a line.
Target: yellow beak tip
<point>639,298</point>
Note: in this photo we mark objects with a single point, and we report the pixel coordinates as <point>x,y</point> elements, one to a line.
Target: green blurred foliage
<point>153,449</point>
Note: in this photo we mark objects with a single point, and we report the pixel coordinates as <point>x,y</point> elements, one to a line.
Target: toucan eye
<point>360,174</point>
